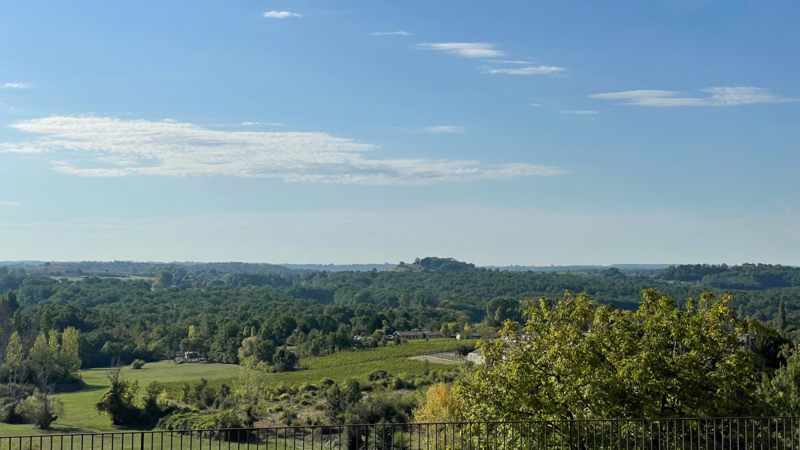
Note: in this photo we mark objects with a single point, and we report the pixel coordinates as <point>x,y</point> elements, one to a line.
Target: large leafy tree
<point>573,359</point>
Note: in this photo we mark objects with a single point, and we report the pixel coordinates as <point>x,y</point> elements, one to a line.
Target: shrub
<point>327,382</point>
<point>41,410</point>
<point>398,383</point>
<point>8,412</point>
<point>211,421</point>
<point>137,364</point>
<point>378,375</point>
<point>118,401</point>
<point>283,397</point>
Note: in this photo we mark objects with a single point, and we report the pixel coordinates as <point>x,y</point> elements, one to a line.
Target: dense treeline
<point>317,313</point>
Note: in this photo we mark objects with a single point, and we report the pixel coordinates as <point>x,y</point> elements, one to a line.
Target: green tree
<point>15,362</point>
<point>575,360</point>
<point>352,392</point>
<point>43,360</point>
<point>163,279</point>
<point>285,360</point>
<point>781,393</point>
<point>780,320</point>
<point>119,401</point>
<point>70,354</point>
<point>41,409</point>
<point>335,405</point>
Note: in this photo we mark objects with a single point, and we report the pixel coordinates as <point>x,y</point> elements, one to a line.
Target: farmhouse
<point>415,335</point>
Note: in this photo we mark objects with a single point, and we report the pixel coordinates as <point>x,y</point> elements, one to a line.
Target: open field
<point>81,417</point>
<point>79,413</point>
<point>343,366</point>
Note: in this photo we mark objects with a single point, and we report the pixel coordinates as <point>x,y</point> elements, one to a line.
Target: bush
<point>137,364</point>
<point>211,421</point>
<point>8,412</point>
<point>398,383</point>
<point>118,401</point>
<point>378,375</point>
<point>41,410</point>
<point>284,397</point>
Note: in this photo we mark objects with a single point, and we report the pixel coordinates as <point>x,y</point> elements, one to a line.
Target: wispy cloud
<point>261,124</point>
<point>109,147</point>
<point>2,203</point>
<point>280,14</point>
<point>718,96</point>
<point>391,33</point>
<point>536,104</point>
<point>504,61</point>
<point>533,70</point>
<point>441,129</point>
<point>580,113</point>
<point>466,49</point>
<point>17,86</point>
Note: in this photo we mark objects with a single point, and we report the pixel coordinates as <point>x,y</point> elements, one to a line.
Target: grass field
<point>79,413</point>
<point>343,366</point>
<point>81,417</point>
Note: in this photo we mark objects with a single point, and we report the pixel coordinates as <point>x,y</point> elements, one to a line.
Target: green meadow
<point>79,413</point>
<point>81,417</point>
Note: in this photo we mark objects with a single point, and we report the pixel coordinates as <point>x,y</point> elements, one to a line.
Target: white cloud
<point>280,14</point>
<point>729,96</point>
<point>536,104</point>
<point>720,96</point>
<point>109,147</point>
<point>467,49</point>
<point>580,113</point>
<point>261,124</point>
<point>501,61</point>
<point>17,86</point>
<point>391,33</point>
<point>441,129</point>
<point>2,203</point>
<point>532,70</point>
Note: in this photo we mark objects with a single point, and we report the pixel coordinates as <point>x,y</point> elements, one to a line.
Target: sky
<point>303,131</point>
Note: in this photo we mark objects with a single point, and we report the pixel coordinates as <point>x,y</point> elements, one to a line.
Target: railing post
<point>141,441</point>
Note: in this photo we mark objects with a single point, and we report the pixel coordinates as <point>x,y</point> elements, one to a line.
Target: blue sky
<point>307,131</point>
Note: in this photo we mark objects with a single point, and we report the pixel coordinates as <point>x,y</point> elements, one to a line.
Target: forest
<point>59,318</point>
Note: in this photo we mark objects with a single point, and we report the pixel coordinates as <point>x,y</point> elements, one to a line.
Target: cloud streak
<point>580,113</point>
<point>4,203</point>
<point>717,96</point>
<point>261,124</point>
<point>465,49</point>
<point>110,147</point>
<point>391,33</point>
<point>441,129</point>
<point>280,14</point>
<point>532,70</point>
<point>17,86</point>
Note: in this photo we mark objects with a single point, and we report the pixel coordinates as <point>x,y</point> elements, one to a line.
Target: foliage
<point>119,401</point>
<point>40,409</point>
<point>137,364</point>
<point>781,393</point>
<point>439,405</point>
<point>575,360</point>
<point>285,360</point>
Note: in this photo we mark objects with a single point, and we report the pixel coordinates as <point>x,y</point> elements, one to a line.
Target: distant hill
<point>578,268</point>
<point>341,267</point>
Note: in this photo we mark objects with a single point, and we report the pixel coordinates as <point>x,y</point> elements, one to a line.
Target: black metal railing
<point>775,433</point>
